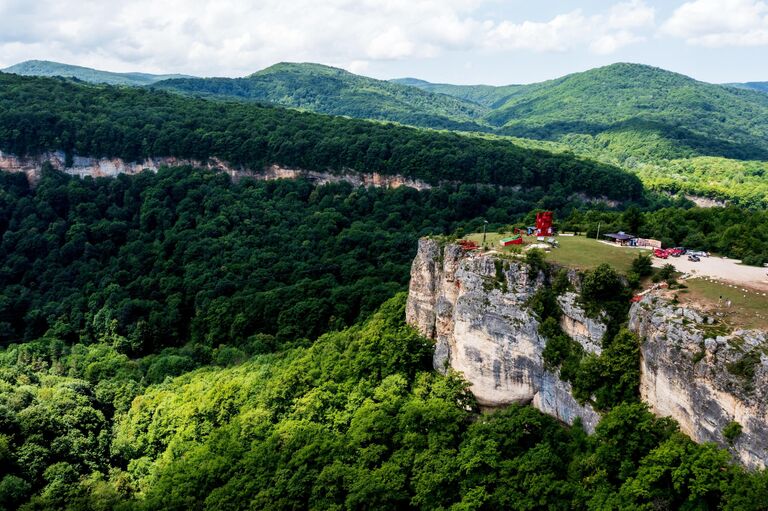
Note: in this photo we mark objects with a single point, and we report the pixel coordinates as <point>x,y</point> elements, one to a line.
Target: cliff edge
<point>476,308</point>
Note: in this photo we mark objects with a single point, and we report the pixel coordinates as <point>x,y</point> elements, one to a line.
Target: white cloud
<point>603,33</point>
<point>716,23</point>
<point>235,37</point>
<point>629,15</point>
<point>610,43</point>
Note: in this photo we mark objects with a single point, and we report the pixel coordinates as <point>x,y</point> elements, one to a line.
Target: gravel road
<point>720,268</point>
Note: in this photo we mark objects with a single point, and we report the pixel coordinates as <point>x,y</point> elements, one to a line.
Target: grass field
<point>574,251</point>
<point>747,310</point>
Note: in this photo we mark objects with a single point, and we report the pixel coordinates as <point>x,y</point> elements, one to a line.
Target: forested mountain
<point>42,114</point>
<point>628,111</point>
<point>487,95</point>
<point>759,86</point>
<point>647,120</point>
<point>335,91</point>
<point>621,111</point>
<point>48,68</point>
<point>662,113</point>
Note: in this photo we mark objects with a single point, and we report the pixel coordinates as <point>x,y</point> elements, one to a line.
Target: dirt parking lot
<point>720,268</point>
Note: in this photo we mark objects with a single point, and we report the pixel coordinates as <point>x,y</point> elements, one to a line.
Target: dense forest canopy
<point>185,254</point>
<point>38,115</point>
<point>356,421</point>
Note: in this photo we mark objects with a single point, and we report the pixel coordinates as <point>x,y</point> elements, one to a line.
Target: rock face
<point>475,307</point>
<point>702,379</point>
<point>579,327</point>
<point>111,167</point>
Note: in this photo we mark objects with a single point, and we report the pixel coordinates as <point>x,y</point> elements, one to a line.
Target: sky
<point>452,41</point>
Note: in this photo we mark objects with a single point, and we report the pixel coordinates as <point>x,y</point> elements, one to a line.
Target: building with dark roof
<point>621,238</point>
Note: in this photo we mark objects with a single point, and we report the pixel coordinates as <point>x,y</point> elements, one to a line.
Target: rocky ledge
<point>475,308</point>
<point>110,167</point>
<point>705,379</point>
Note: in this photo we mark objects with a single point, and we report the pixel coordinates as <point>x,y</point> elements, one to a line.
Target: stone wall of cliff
<point>111,167</point>
<point>475,307</point>
<point>704,378</point>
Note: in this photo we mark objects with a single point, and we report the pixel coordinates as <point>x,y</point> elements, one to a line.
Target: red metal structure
<point>468,245</point>
<point>544,223</point>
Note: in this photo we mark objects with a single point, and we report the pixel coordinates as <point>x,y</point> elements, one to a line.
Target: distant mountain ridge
<point>489,96</point>
<point>758,86</point>
<point>622,110</point>
<point>86,74</point>
<point>649,111</point>
<point>335,91</point>
<point>656,123</point>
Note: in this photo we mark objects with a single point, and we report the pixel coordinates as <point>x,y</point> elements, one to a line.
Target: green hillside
<point>758,86</point>
<point>665,114</point>
<point>42,114</point>
<point>47,68</point>
<point>334,91</point>
<point>487,95</point>
<point>646,120</point>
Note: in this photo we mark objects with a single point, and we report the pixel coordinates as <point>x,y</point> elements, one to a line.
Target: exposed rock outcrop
<point>475,307</point>
<point>111,167</point>
<point>702,379</point>
<point>587,331</point>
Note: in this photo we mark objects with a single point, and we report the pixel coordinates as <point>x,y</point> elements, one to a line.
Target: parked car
<point>675,252</point>
<point>693,258</point>
<point>682,250</point>
<point>698,253</point>
<point>660,253</point>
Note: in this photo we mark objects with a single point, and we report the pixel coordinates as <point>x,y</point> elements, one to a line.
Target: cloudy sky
<point>457,41</point>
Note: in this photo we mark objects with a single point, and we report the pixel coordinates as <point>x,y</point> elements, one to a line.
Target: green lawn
<point>748,310</point>
<point>574,251</point>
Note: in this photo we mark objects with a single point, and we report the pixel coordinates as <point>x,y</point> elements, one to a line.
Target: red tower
<point>544,223</point>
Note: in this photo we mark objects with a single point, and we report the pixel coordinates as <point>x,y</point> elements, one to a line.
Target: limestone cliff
<point>475,307</point>
<point>703,378</point>
<point>111,167</point>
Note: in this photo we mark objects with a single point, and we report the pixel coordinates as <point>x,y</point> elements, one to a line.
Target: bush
<point>534,258</point>
<point>642,265</point>
<point>732,431</point>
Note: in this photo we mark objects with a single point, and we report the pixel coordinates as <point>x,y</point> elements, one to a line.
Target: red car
<point>674,252</point>
<point>660,253</point>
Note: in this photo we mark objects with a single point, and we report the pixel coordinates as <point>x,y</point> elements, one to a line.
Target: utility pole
<point>485,222</point>
<point>598,231</point>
